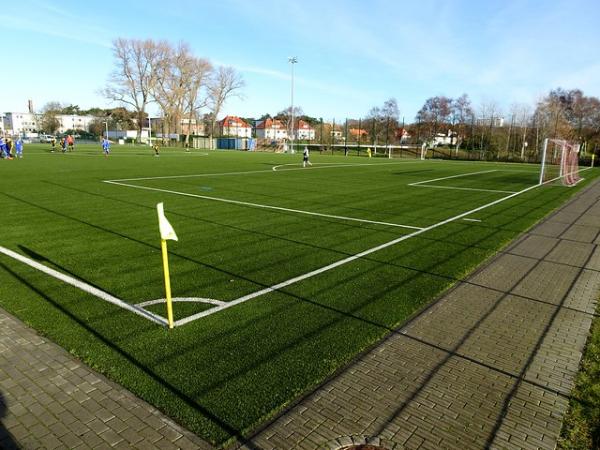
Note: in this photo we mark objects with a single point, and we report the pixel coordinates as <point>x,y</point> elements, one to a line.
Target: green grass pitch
<point>244,227</point>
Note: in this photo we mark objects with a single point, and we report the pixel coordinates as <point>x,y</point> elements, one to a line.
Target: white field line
<point>248,172</point>
<point>328,267</point>
<point>471,220</point>
<point>181,299</point>
<point>258,205</point>
<point>334,165</point>
<point>112,155</point>
<point>85,287</point>
<point>433,186</point>
<point>452,176</point>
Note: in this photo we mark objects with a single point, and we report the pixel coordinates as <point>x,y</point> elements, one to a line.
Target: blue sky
<point>353,55</point>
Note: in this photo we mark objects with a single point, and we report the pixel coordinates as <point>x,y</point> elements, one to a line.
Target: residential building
<point>271,129</point>
<point>402,134</point>
<point>304,131</point>
<point>357,133</point>
<point>22,123</point>
<point>193,126</point>
<point>73,122</point>
<point>487,121</point>
<point>26,123</point>
<point>233,126</point>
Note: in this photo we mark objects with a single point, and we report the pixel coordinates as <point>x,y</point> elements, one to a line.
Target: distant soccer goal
<point>400,151</point>
<point>560,161</point>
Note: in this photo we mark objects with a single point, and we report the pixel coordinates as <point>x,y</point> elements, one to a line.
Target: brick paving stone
<point>54,401</point>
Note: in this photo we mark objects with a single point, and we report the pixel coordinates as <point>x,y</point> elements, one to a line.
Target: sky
<point>352,55</point>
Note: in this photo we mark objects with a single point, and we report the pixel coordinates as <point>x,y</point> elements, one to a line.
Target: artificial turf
<point>223,375</point>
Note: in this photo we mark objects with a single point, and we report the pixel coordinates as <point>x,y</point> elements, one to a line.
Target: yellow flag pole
<point>165,258</point>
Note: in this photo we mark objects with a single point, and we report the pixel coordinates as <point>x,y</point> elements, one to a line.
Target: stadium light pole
<point>292,60</point>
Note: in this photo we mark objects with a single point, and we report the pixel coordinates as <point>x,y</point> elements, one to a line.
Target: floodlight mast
<point>292,60</point>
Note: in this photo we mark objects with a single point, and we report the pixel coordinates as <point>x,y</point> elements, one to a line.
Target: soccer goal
<point>560,161</point>
<point>402,152</point>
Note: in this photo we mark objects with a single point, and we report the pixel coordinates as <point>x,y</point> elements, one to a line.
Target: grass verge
<point>581,427</point>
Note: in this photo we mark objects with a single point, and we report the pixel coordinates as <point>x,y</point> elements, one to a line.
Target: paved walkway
<point>491,364</point>
<point>50,400</point>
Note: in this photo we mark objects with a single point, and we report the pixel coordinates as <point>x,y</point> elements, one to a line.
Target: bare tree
<point>462,113</point>
<point>285,117</point>
<point>50,123</point>
<point>135,74</point>
<point>200,71</point>
<point>224,83</point>
<point>435,113</point>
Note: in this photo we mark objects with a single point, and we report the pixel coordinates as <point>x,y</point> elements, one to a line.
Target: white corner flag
<point>166,230</point>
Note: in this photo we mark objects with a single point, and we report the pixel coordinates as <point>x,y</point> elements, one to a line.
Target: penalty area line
<point>261,206</point>
<point>349,259</point>
<point>85,287</point>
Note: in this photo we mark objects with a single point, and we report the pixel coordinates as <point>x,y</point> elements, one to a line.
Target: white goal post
<point>560,160</point>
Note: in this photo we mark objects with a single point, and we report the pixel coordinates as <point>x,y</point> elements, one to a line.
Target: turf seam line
<point>258,205</point>
<point>84,287</point>
<point>328,267</point>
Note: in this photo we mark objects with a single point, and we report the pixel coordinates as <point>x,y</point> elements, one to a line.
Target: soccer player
<point>53,142</point>
<point>3,152</point>
<point>71,142</point>
<point>305,156</point>
<point>63,144</point>
<point>156,149</point>
<point>19,147</point>
<point>106,146</point>
<point>9,145</point>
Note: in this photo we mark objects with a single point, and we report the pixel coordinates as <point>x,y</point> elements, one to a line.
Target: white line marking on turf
<point>181,299</point>
<point>471,220</point>
<point>291,281</point>
<point>334,165</point>
<point>452,176</point>
<point>433,186</point>
<point>85,287</point>
<point>258,205</point>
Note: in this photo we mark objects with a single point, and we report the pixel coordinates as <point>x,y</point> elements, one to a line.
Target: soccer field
<point>281,275</point>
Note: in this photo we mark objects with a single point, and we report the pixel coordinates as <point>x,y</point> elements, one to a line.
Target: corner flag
<point>166,232</point>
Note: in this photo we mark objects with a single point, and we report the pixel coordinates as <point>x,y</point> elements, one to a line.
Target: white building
<point>487,121</point>
<point>235,127</point>
<point>25,123</point>
<point>304,131</point>
<point>271,129</point>
<point>22,123</point>
<point>74,122</point>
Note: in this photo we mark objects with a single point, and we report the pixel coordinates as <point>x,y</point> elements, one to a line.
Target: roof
<point>357,131</point>
<point>269,123</point>
<point>234,122</point>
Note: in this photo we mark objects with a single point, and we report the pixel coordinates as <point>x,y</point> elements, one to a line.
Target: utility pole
<point>292,60</point>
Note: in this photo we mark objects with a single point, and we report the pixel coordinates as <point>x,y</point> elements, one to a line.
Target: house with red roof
<point>235,127</point>
<point>304,131</point>
<point>271,129</point>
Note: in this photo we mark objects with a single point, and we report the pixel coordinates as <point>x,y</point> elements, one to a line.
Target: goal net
<point>401,151</point>
<point>560,161</point>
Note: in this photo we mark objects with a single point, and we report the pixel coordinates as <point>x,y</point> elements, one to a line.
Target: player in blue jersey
<point>19,147</point>
<point>4,150</point>
<point>106,146</point>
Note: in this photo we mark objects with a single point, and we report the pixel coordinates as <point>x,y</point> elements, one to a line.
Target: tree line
<point>180,83</point>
